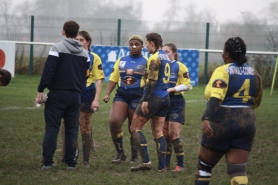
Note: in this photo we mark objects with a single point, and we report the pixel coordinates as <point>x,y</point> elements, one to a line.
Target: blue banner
<point>110,54</point>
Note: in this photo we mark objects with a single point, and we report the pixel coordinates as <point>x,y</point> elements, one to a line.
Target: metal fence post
<point>206,55</point>
<point>119,33</point>
<point>31,45</point>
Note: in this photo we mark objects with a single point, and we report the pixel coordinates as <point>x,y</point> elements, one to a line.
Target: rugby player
<point>228,123</point>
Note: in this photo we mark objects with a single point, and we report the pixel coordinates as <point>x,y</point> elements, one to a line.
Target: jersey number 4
<point>245,89</point>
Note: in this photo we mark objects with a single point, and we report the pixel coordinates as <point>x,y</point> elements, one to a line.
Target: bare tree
<point>272,39</point>
<point>272,13</point>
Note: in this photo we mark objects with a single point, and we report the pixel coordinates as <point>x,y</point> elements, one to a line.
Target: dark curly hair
<point>236,47</point>
<point>5,77</point>
<point>71,29</point>
<point>156,39</point>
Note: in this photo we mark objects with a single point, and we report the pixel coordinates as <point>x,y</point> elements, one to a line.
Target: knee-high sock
<point>134,150</point>
<point>141,143</point>
<point>161,151</point>
<point>118,142</point>
<point>239,180</point>
<point>86,145</point>
<point>168,152</point>
<point>178,147</point>
<point>203,173</point>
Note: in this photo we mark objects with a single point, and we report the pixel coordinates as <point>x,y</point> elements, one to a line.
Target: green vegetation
<point>22,129</point>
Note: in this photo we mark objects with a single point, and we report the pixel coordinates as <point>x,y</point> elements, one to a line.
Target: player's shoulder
<point>153,56</point>
<point>95,55</point>
<point>182,66</point>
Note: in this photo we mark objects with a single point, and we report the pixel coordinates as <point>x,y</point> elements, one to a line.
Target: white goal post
<point>201,50</point>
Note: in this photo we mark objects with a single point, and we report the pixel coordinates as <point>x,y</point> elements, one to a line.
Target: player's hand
<point>94,105</point>
<point>144,107</point>
<point>207,130</point>
<point>106,98</point>
<point>171,90</point>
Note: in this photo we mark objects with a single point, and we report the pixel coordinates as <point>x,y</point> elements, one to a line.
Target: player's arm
<point>183,83</point>
<point>153,70</point>
<point>113,80</point>
<point>95,103</point>
<point>88,66</point>
<point>218,85</point>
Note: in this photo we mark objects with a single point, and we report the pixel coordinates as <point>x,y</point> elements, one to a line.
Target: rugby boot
<point>142,166</point>
<point>162,170</point>
<point>119,158</point>
<point>178,169</point>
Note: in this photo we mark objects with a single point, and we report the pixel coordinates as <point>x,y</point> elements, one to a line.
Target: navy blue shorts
<point>129,96</point>
<point>157,107</point>
<point>232,128</point>
<point>176,112</point>
<point>87,97</point>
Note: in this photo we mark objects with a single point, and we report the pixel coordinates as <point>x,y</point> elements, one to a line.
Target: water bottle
<point>44,99</point>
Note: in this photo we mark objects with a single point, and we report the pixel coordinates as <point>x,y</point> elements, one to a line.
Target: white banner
<point>7,56</point>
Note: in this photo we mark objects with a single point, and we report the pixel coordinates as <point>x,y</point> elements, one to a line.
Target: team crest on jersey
<point>186,75</point>
<point>99,67</point>
<point>122,64</point>
<point>219,84</point>
<point>129,80</point>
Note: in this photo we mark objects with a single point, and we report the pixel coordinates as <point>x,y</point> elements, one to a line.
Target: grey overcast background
<point>221,11</point>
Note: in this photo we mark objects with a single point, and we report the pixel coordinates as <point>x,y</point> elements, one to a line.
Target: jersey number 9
<point>167,73</point>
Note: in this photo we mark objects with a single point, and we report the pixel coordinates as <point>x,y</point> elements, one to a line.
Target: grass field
<point>22,129</point>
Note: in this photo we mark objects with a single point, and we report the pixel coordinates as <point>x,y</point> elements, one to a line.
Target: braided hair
<point>5,77</point>
<point>174,49</point>
<point>236,47</point>
<point>156,39</point>
<point>87,37</point>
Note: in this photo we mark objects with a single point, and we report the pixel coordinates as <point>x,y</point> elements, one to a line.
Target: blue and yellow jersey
<point>96,71</point>
<point>160,64</point>
<point>179,75</point>
<point>236,86</point>
<point>129,72</point>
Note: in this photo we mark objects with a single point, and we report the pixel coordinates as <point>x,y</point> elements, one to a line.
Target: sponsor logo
<point>129,80</point>
<point>129,71</point>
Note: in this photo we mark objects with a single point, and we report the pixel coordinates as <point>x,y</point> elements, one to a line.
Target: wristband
<point>205,118</point>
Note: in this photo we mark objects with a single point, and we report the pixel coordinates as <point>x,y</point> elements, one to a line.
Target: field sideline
<point>22,129</point>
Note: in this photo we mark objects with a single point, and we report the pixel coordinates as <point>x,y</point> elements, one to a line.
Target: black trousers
<point>61,104</point>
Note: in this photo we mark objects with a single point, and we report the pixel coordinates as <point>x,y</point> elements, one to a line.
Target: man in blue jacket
<point>64,74</point>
